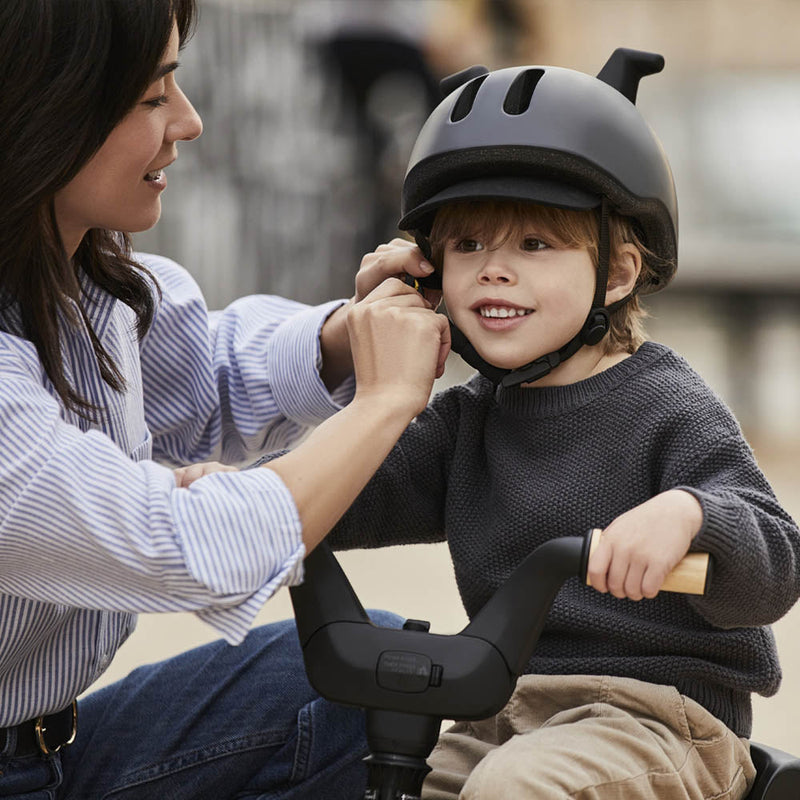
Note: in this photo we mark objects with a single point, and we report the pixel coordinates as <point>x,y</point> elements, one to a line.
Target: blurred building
<point>310,110</point>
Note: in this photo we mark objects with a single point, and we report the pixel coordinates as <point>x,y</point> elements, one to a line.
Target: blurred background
<point>311,108</point>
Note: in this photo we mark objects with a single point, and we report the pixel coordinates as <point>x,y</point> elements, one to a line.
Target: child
<point>111,360</point>
<point>547,206</point>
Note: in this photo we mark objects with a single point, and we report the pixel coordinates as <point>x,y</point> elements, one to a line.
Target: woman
<point>109,361</point>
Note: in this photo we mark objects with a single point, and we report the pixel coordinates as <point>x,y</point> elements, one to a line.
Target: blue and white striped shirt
<point>92,531</point>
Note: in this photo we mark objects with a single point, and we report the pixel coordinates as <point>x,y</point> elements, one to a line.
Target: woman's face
<point>120,187</point>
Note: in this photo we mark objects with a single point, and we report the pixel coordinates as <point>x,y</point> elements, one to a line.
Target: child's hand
<point>642,546</point>
<point>186,476</point>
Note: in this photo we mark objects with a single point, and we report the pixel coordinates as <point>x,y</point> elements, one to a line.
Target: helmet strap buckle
<point>596,326</point>
<point>532,371</point>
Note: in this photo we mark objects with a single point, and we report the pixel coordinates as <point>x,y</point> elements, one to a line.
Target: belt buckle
<point>40,729</point>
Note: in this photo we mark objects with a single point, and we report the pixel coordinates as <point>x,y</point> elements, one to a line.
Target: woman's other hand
<point>396,259</point>
<point>399,347</point>
<point>186,476</point>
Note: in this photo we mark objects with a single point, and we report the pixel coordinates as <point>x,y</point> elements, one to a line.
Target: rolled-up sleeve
<point>294,362</point>
<point>234,383</point>
<point>84,526</point>
<point>91,517</point>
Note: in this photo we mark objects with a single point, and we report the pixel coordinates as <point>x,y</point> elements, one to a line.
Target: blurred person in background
<point>374,56</point>
<point>114,373</point>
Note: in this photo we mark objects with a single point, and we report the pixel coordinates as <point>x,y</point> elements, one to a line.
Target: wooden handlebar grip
<point>689,576</point>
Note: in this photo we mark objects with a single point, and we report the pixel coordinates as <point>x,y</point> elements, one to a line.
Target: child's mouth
<point>503,312</point>
<point>502,318</point>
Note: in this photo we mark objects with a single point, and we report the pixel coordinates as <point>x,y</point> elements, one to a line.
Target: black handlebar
<point>469,675</point>
<point>409,680</point>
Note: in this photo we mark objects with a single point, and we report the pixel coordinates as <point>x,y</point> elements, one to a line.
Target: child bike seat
<point>777,774</point>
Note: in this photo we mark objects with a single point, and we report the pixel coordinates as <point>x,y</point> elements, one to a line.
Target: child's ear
<point>624,273</point>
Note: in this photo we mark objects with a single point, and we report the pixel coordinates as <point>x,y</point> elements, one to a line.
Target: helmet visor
<point>534,190</point>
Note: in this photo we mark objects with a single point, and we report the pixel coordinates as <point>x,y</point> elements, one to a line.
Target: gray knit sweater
<point>498,473</point>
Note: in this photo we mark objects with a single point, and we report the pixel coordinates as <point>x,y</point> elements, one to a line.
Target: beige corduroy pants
<point>591,738</point>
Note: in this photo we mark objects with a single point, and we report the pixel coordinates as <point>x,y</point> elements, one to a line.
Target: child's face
<point>120,187</point>
<point>518,300</point>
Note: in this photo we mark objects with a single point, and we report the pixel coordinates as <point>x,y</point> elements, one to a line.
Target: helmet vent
<point>465,100</point>
<point>518,97</point>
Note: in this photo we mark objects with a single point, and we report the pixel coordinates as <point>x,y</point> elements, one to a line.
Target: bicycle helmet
<point>555,137</point>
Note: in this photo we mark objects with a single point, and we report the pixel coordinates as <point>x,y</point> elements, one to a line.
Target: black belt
<point>45,734</point>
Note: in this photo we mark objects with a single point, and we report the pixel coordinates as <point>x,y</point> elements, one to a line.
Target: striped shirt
<point>92,527</point>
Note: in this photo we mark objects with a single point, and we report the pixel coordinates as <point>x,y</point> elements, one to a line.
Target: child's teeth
<point>503,312</point>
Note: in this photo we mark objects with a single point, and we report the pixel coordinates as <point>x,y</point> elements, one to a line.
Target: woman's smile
<point>105,193</point>
<point>156,180</point>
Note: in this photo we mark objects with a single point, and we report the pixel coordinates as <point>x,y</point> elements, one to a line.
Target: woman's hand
<point>641,547</point>
<point>396,259</point>
<point>399,344</point>
<point>399,347</point>
<point>186,476</point>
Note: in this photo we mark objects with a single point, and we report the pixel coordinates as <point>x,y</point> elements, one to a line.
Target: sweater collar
<point>545,401</point>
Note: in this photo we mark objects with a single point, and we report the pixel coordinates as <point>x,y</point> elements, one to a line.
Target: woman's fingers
<point>445,344</point>
<point>394,259</point>
<point>399,344</point>
<point>393,288</point>
<point>186,476</point>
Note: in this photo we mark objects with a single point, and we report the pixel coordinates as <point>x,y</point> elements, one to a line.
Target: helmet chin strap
<point>593,330</point>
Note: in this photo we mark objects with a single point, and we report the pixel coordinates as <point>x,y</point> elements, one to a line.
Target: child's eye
<point>156,102</point>
<point>467,246</point>
<point>532,244</point>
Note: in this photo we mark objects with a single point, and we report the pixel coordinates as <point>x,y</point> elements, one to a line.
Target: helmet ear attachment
<point>424,244</point>
<point>627,67</point>
<point>595,327</point>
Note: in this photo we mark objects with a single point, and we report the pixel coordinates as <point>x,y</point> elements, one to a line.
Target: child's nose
<point>495,271</point>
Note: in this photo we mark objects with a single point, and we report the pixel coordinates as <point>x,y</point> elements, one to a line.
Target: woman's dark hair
<point>70,71</point>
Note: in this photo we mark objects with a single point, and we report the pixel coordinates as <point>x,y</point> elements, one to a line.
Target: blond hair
<point>498,220</point>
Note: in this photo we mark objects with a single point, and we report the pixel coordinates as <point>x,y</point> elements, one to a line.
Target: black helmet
<point>549,135</point>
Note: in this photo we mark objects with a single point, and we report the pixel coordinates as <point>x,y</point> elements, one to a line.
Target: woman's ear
<point>624,273</point>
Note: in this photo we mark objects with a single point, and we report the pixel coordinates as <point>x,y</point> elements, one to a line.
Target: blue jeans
<point>216,722</point>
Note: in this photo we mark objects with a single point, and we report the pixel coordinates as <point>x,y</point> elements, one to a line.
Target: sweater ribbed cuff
<point>719,519</point>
